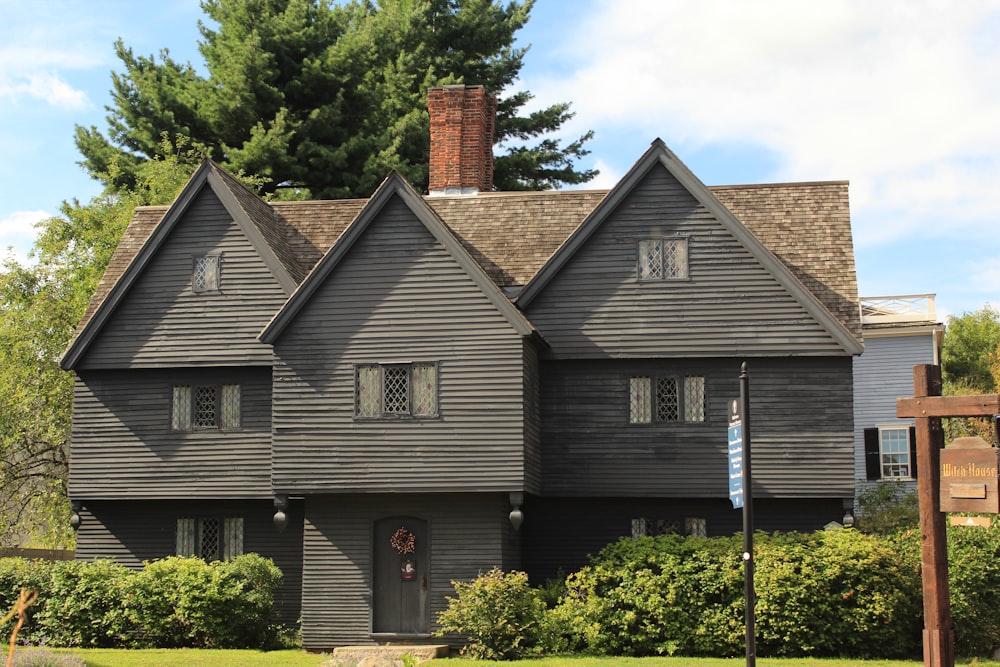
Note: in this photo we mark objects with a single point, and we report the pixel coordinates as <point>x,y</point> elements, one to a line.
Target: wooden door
<point>401,576</point>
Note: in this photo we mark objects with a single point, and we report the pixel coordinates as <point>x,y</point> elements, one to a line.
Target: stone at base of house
<point>384,656</point>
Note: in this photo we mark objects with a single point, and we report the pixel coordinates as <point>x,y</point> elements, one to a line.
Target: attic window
<point>205,275</point>
<point>663,259</point>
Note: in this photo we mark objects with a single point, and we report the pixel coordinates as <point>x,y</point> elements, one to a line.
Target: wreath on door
<point>403,541</point>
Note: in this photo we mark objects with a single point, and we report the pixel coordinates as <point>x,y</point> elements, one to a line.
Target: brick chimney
<point>461,160</point>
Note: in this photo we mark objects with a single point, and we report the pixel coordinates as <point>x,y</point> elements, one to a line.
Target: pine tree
<point>324,100</point>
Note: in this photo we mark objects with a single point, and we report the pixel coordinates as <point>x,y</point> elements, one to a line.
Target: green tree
<point>323,100</point>
<point>970,349</point>
<point>40,306</point>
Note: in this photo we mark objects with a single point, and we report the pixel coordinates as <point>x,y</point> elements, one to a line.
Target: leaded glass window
<point>650,259</point>
<point>694,398</point>
<point>210,538</point>
<point>396,390</point>
<point>180,412</point>
<point>185,537</point>
<point>368,398</point>
<point>232,542</point>
<point>663,259</point>
<point>639,410</point>
<point>667,399</point>
<point>697,526</point>
<point>424,390</point>
<point>675,258</point>
<point>205,277</point>
<point>229,410</point>
<point>204,407</point>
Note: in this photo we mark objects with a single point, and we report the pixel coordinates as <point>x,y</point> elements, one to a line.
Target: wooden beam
<point>984,405</point>
<point>939,635</point>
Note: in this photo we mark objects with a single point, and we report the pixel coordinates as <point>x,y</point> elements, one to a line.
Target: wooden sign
<point>970,480</point>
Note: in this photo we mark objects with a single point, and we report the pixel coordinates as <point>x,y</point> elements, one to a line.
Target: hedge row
<point>831,593</point>
<point>174,602</point>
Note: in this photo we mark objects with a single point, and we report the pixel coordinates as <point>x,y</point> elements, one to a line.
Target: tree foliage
<point>971,350</point>
<point>40,306</point>
<point>323,100</point>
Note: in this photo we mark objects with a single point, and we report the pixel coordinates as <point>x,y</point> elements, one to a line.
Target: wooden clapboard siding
<point>399,296</point>
<point>595,307</point>
<point>467,533</point>
<point>162,323</point>
<point>801,411</point>
<point>141,530</point>
<point>123,446</point>
<point>560,534</point>
<point>532,419</point>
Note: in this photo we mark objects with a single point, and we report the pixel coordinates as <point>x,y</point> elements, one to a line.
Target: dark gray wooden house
<point>385,395</point>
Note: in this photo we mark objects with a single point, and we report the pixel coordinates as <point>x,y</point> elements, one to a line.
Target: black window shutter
<point>913,452</point>
<point>873,460</point>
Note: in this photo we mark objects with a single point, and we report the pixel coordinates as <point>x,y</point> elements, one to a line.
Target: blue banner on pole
<point>735,458</point>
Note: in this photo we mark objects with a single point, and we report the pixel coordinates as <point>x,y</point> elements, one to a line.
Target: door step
<point>385,656</point>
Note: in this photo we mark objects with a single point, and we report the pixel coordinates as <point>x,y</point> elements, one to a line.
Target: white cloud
<point>46,87</point>
<point>900,97</point>
<point>17,230</point>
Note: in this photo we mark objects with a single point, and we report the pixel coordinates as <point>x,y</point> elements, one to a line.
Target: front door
<point>401,576</point>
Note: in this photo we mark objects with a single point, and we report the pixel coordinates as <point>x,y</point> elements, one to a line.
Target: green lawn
<point>210,658</point>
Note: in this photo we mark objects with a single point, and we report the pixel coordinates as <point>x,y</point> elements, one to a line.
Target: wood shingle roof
<point>512,235</point>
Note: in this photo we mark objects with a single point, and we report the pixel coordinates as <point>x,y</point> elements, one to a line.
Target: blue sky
<point>901,98</point>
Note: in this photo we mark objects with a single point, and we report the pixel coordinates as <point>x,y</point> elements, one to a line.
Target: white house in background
<point>900,332</point>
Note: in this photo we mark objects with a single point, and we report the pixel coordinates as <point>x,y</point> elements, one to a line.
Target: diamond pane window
<point>229,410</point>
<point>668,406</point>
<point>396,390</point>
<point>232,542</point>
<point>367,393</point>
<point>675,258</point>
<point>694,398</point>
<point>639,404</point>
<point>650,259</point>
<point>696,526</point>
<point>185,537</point>
<point>424,390</point>
<point>204,407</point>
<point>205,277</point>
<point>209,539</point>
<point>180,411</point>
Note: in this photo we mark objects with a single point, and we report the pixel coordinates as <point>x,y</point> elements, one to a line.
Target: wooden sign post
<point>927,407</point>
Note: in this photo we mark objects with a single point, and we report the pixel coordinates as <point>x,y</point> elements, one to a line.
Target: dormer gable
<point>210,187</point>
<point>395,186</point>
<point>689,196</point>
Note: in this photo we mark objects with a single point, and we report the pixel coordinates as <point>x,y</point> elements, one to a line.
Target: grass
<point>189,657</point>
<point>214,658</point>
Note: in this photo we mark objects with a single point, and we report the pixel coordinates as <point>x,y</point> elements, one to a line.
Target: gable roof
<point>148,232</point>
<point>394,186</point>
<point>829,318</point>
<point>803,227</point>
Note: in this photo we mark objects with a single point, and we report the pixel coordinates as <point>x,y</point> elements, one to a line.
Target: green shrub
<point>974,578</point>
<point>174,602</point>
<point>837,593</point>
<point>501,616</point>
<point>658,596</point>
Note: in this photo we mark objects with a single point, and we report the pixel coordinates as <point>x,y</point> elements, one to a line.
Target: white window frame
<point>891,462</point>
<point>422,399</point>
<point>663,259</point>
<point>645,398</point>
